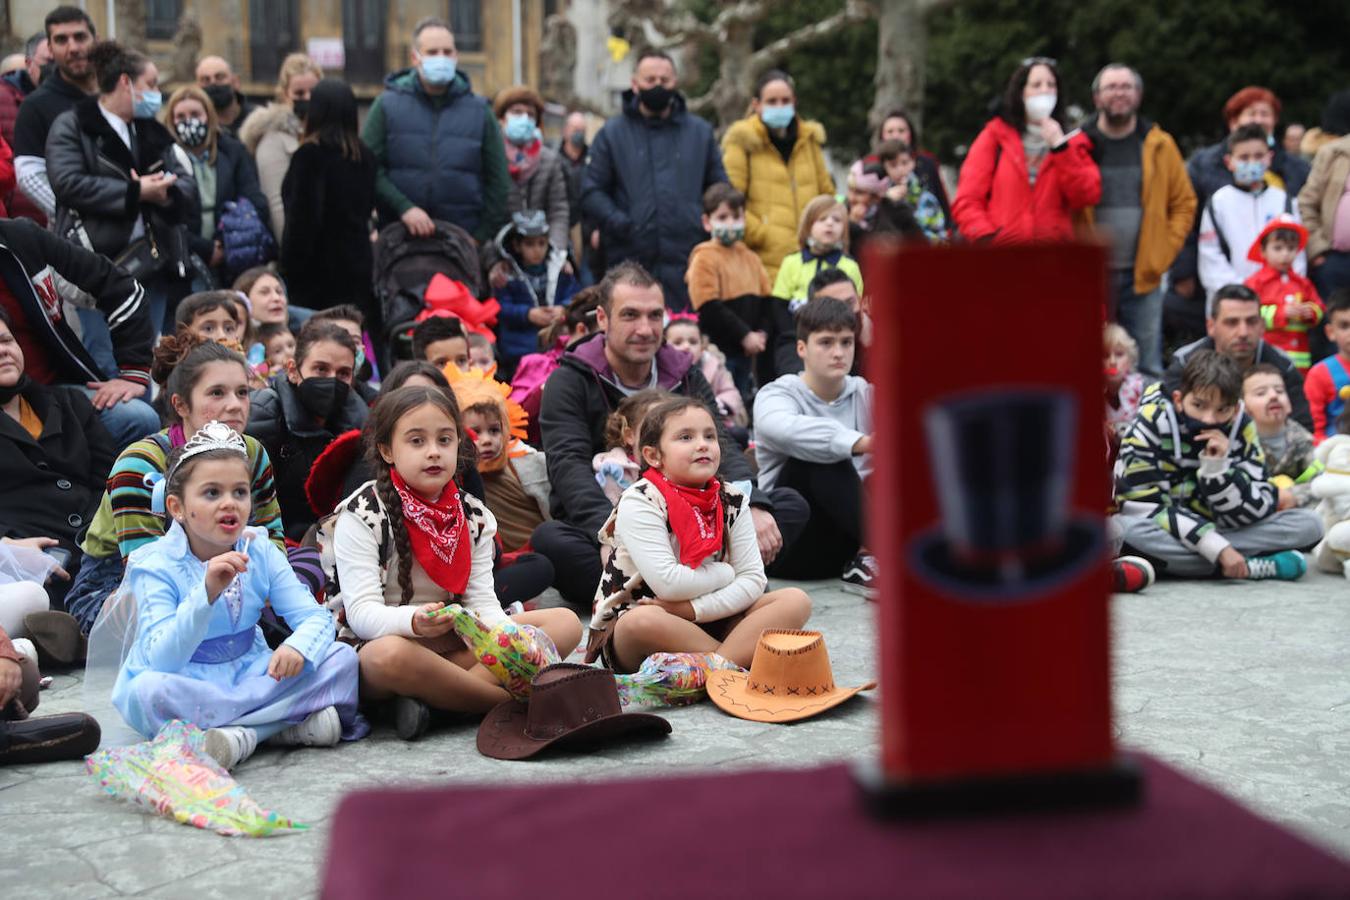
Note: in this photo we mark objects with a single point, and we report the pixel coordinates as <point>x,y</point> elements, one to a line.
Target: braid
<point>393,510</point>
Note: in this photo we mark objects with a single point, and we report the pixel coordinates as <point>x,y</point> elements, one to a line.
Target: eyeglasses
<point>1041,61</point>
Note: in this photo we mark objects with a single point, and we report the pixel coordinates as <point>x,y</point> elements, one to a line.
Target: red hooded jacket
<point>995,199</point>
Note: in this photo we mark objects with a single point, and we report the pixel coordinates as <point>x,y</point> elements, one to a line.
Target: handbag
<point>141,258</point>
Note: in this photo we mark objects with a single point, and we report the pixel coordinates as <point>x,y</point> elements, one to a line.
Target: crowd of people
<point>203,397</point>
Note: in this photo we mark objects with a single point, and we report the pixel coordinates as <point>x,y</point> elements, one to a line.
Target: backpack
<point>247,241</point>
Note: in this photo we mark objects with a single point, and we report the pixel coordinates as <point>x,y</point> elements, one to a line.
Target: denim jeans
<point>127,422</point>
<point>97,339</point>
<point>1141,316</point>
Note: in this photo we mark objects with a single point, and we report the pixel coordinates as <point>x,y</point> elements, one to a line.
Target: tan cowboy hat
<point>789,679</point>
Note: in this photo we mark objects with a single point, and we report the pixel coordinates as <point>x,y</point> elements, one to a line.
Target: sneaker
<point>230,746</point>
<point>1131,574</point>
<point>411,718</point>
<point>861,573</point>
<point>1287,565</point>
<point>320,729</point>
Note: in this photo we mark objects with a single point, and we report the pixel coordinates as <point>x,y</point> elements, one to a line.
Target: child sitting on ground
<point>537,290</point>
<point>728,285</point>
<point>1287,445</point>
<point>823,236</point>
<point>683,333</point>
<point>1192,489</point>
<point>198,654</point>
<point>211,316</point>
<point>267,301</point>
<point>405,545</point>
<point>1124,386</point>
<point>1290,305</point>
<point>441,341</point>
<point>351,320</point>
<point>617,468</point>
<point>685,574</point>
<point>898,159</point>
<point>1327,385</point>
<point>482,355</point>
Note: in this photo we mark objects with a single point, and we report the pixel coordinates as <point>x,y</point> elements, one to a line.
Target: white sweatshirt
<point>791,422</point>
<point>1240,215</point>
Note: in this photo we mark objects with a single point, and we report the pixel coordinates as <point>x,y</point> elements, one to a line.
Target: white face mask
<point>1040,106</point>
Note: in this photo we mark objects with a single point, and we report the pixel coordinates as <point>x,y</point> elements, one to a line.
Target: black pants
<point>528,576</point>
<point>575,551</point>
<point>833,531</point>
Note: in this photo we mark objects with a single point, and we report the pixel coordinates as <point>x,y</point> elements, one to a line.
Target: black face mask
<point>222,95</point>
<point>9,393</point>
<point>657,99</point>
<point>324,398</point>
<point>301,108</point>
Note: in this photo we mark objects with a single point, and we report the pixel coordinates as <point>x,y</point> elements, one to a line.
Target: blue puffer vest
<point>435,151</point>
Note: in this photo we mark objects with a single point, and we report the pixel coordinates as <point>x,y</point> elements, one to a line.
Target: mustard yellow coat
<point>775,192</point>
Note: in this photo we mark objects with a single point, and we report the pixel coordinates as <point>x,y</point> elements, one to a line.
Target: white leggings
<point>17,600</point>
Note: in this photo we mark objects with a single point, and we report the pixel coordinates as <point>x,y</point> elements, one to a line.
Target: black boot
<point>48,738</point>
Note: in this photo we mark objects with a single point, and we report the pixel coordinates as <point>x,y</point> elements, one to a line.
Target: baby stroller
<point>404,265</point>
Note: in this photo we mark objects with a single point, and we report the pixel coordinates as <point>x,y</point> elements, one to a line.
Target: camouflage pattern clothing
<point>1291,463</point>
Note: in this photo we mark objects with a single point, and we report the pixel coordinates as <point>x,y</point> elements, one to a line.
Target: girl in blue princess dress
<point>196,652</point>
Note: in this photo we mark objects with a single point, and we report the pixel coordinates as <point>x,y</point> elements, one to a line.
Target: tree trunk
<point>902,43</point>
<point>735,74</point>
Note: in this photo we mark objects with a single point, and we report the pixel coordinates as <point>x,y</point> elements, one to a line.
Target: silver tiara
<point>213,436</point>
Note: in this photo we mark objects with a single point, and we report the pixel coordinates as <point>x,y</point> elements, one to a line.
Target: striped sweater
<point>124,520</point>
<point>1160,475</point>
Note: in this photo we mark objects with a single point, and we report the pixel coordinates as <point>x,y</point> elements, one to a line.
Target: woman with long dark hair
<point>329,194</point>
<point>1024,178</point>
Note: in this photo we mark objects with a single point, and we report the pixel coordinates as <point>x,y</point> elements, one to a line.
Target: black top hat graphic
<point>1003,466</point>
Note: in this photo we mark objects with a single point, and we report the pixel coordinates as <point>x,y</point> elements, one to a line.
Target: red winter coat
<point>995,199</point>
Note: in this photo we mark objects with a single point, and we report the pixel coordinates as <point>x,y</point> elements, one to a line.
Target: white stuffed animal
<point>1332,488</point>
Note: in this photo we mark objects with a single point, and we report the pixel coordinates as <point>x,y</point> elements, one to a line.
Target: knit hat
<point>1282,222</point>
<point>476,387</point>
<point>859,178</point>
<point>508,97</point>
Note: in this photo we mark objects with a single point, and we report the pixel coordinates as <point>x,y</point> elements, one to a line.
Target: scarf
<point>9,393</point>
<point>437,533</point>
<point>1036,149</point>
<point>695,514</point>
<point>522,161</point>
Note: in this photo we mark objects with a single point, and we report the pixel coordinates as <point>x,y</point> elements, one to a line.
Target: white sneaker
<point>320,729</point>
<point>24,647</point>
<point>230,746</point>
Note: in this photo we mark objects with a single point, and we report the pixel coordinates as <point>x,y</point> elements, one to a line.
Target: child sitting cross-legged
<point>1192,489</point>
<point>405,545</point>
<point>1287,445</point>
<point>685,574</point>
<point>198,592</point>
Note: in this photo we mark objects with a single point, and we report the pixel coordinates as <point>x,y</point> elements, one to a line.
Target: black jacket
<point>643,186</point>
<point>1265,353</point>
<point>51,487</point>
<point>39,110</point>
<point>578,398</point>
<point>326,252</point>
<point>30,257</point>
<point>236,176</point>
<point>98,202</point>
<point>293,441</point>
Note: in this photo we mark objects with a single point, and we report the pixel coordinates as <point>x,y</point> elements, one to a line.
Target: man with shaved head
<point>217,78</point>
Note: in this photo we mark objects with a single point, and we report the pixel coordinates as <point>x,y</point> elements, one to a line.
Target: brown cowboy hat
<point>789,679</point>
<point>569,703</point>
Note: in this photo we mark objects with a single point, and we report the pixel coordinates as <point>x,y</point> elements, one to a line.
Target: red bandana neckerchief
<point>695,516</point>
<point>438,533</point>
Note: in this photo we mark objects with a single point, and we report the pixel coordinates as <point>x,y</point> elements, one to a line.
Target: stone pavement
<point>1242,685</point>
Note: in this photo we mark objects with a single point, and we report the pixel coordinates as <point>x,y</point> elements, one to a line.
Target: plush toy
<point>1332,488</point>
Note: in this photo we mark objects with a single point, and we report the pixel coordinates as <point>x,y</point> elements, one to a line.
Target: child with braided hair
<point>408,543</point>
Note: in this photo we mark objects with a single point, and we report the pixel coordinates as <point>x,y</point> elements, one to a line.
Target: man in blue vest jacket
<point>438,149</point>
<point>646,175</point>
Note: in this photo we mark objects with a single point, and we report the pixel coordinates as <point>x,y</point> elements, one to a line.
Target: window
<point>161,18</point>
<point>363,39</point>
<point>273,32</point>
<point>466,21</point>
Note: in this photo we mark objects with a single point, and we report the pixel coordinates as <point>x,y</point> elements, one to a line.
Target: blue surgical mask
<point>519,129</point>
<point>147,104</point>
<point>777,116</point>
<point>438,69</point>
<point>1249,171</point>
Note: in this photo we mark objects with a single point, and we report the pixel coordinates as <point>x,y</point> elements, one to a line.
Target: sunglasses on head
<point>1041,61</point>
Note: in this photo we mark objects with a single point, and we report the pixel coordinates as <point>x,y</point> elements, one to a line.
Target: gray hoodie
<point>791,422</point>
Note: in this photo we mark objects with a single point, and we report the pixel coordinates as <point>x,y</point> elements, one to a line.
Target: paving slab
<point>1245,686</point>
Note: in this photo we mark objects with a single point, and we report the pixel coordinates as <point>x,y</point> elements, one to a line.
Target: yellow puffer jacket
<point>775,192</point>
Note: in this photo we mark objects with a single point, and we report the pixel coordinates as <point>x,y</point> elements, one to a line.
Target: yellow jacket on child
<point>795,275</point>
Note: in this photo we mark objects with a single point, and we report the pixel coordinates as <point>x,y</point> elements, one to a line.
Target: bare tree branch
<point>767,56</point>
<point>700,105</point>
<point>747,12</point>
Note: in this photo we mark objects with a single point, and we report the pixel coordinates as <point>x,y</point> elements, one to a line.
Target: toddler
<point>1287,445</point>
<point>278,345</point>
<point>683,333</point>
<point>1124,386</point>
<point>617,468</point>
<point>537,290</point>
<point>482,355</point>
<point>906,187</point>
<point>1290,305</point>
